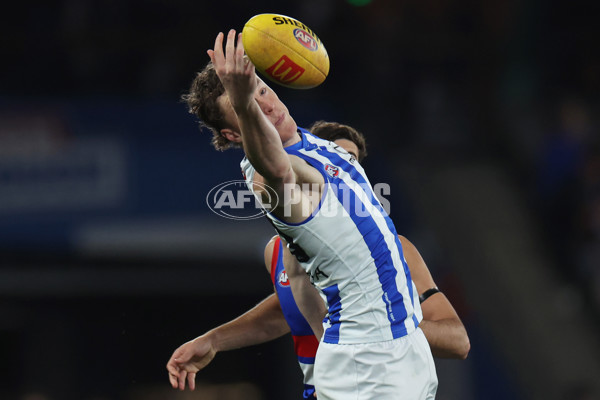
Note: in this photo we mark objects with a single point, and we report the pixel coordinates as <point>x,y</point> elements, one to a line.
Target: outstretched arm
<point>261,324</point>
<point>443,328</point>
<point>261,141</point>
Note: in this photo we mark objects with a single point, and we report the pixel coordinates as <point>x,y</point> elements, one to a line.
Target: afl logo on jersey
<point>305,39</point>
<point>331,170</point>
<point>282,279</point>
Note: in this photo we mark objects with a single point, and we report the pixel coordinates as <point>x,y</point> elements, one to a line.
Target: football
<point>285,51</point>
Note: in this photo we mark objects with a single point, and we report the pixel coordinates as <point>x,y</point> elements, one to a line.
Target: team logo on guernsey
<point>285,70</point>
<point>331,170</point>
<point>305,39</point>
<point>282,279</point>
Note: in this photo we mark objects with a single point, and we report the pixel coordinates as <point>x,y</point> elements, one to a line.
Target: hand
<point>235,71</point>
<point>188,359</point>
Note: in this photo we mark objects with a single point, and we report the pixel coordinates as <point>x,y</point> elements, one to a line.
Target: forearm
<point>447,338</point>
<point>263,323</point>
<point>262,144</point>
<point>445,332</point>
<point>309,302</point>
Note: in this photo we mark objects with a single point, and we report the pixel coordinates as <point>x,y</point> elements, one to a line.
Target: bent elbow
<point>464,349</point>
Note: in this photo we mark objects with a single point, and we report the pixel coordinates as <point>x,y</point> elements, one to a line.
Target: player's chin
<point>287,124</point>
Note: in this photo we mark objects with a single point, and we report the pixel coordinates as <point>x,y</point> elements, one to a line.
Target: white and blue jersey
<point>350,248</point>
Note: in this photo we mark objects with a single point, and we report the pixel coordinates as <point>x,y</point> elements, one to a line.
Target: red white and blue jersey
<point>350,248</point>
<point>305,342</point>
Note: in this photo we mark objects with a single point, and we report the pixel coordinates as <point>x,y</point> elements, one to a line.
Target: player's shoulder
<point>316,143</point>
<point>271,242</point>
<point>269,249</point>
<point>409,249</point>
<point>405,242</point>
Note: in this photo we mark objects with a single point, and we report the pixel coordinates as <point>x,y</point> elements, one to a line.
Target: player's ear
<point>231,135</point>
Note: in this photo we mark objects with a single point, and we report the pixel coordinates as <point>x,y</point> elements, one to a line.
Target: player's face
<point>275,111</point>
<point>349,146</point>
<point>269,103</point>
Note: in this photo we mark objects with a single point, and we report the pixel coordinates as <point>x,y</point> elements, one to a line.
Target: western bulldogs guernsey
<point>350,249</point>
<point>305,342</point>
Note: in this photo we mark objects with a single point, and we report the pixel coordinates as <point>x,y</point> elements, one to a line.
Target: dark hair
<point>333,131</point>
<point>202,102</point>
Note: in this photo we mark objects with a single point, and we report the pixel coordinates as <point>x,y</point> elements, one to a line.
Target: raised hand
<point>235,71</point>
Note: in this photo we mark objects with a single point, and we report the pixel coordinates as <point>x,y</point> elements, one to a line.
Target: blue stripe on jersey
<point>332,334</point>
<point>388,283</point>
<point>373,237</point>
<point>386,271</point>
<point>309,390</point>
<point>306,360</point>
<point>408,276</point>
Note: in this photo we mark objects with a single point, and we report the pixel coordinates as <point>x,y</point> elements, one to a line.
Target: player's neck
<point>294,138</point>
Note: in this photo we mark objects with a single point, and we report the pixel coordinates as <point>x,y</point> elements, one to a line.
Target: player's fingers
<point>173,381</point>
<point>239,55</point>
<point>248,67</point>
<point>230,51</point>
<point>182,377</point>
<point>218,58</point>
<point>192,380</point>
<point>172,368</point>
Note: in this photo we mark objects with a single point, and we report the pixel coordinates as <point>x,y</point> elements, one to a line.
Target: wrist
<point>246,108</point>
<point>212,338</point>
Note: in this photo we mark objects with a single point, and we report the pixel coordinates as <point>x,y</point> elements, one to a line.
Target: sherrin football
<point>285,51</point>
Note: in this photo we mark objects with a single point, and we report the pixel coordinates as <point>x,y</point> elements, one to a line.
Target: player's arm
<point>443,328</point>
<point>261,141</point>
<point>261,324</point>
<point>307,298</point>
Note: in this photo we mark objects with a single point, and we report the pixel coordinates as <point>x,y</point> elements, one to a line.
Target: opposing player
<point>441,324</point>
<point>278,314</point>
<point>335,227</point>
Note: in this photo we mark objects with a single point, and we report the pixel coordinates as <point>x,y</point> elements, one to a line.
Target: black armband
<point>426,294</point>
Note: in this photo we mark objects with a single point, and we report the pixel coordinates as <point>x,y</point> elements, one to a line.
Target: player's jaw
<point>273,109</point>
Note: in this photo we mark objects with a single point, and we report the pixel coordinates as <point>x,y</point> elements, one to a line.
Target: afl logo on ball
<point>305,39</point>
<point>283,280</point>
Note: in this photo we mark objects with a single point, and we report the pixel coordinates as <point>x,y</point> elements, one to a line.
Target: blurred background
<point>482,116</point>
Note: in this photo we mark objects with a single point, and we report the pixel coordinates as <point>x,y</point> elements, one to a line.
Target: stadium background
<point>482,116</point>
